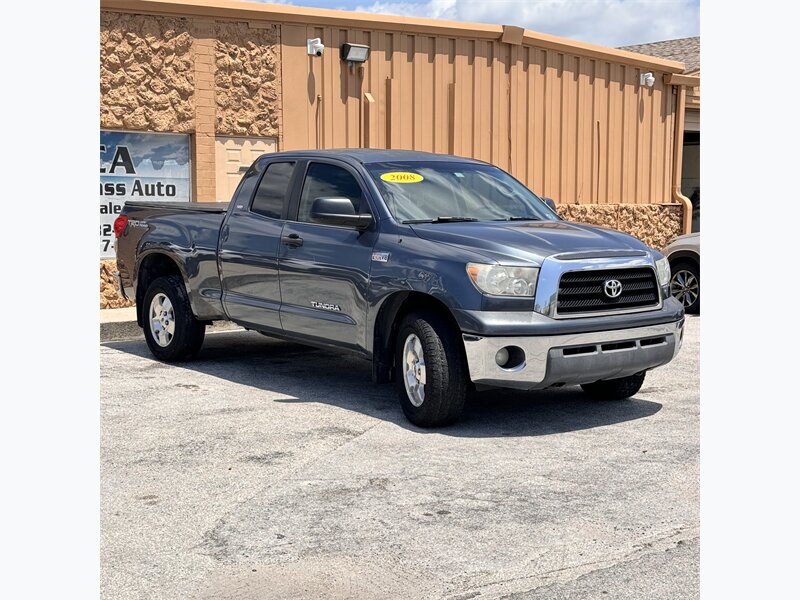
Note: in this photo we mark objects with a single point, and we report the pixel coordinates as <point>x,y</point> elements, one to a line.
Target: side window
<point>272,190</point>
<point>329,181</point>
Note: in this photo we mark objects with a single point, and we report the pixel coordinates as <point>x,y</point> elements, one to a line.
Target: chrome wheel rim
<point>414,370</point>
<point>162,320</point>
<point>685,287</point>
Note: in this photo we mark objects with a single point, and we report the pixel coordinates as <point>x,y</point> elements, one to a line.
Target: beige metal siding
<point>576,128</point>
<point>693,93</point>
<point>233,156</point>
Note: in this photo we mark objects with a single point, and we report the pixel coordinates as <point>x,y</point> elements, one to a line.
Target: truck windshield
<point>446,192</point>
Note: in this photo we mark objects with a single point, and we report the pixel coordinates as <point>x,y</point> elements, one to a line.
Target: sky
<point>607,22</point>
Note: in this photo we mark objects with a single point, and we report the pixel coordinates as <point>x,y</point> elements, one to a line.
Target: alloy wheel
<point>414,376</point>
<point>685,287</point>
<point>162,319</point>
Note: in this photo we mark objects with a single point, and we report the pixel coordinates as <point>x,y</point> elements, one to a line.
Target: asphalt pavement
<point>266,469</point>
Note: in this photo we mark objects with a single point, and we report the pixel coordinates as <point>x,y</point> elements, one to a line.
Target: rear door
<point>325,268</point>
<point>249,245</point>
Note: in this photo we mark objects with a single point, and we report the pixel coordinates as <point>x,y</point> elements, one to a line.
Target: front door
<point>249,246</point>
<point>325,268</point>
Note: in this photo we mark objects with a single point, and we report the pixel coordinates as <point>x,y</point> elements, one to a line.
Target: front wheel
<point>685,286</point>
<point>615,389</point>
<point>170,329</point>
<point>431,371</point>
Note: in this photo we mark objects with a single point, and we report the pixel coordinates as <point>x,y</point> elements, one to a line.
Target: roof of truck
<point>374,155</point>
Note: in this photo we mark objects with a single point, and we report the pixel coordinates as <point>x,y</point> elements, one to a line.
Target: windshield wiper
<point>441,220</point>
<point>519,219</point>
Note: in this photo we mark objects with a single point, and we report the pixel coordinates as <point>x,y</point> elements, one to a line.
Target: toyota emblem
<point>612,288</point>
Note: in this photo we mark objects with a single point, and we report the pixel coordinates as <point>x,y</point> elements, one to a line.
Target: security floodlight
<point>355,53</point>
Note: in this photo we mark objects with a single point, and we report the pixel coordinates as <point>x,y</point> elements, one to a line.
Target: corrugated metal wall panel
<point>575,128</point>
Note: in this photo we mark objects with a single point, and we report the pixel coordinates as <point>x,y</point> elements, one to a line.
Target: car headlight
<point>498,280</point>
<point>662,269</point>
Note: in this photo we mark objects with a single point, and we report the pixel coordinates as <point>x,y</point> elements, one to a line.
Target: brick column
<point>204,184</point>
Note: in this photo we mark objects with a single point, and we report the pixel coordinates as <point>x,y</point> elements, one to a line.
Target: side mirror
<point>338,211</point>
<point>550,203</point>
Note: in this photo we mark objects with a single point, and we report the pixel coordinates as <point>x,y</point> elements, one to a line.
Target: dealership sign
<point>140,166</point>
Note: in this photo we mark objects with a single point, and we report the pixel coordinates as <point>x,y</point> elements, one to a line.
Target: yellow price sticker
<point>402,177</point>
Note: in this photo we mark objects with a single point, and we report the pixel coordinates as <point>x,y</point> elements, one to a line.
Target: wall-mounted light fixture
<point>647,79</point>
<point>355,53</point>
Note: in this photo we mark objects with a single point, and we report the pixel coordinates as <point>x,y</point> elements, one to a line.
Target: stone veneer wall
<point>247,79</point>
<point>153,79</point>
<point>146,73</point>
<point>109,298</point>
<point>654,224</point>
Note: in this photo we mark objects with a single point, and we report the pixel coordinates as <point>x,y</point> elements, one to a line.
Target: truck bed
<point>210,207</point>
<point>186,231</point>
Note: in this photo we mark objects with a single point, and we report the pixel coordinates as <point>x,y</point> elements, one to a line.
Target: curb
<point>120,331</point>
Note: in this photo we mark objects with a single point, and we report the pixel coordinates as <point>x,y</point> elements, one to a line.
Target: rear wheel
<point>170,329</point>
<point>431,371</point>
<point>615,389</point>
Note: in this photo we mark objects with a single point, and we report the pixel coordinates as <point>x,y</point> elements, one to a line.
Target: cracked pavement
<point>266,469</point>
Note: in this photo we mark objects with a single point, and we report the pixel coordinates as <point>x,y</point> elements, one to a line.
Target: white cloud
<point>607,22</point>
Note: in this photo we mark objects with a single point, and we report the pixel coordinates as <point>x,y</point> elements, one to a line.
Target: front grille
<point>582,291</point>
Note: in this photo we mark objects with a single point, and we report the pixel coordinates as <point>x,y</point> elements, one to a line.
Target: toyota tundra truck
<point>447,273</point>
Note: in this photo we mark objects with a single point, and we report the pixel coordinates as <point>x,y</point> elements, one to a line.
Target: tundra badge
<point>326,306</point>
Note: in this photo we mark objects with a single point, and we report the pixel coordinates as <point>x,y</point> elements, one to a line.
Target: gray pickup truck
<point>445,272</point>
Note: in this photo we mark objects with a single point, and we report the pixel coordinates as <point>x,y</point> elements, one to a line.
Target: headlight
<point>504,281</point>
<point>662,268</point>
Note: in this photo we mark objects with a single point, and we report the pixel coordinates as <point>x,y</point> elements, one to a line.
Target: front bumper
<point>572,358</point>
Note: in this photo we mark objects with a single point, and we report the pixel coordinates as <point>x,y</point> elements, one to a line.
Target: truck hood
<point>530,241</point>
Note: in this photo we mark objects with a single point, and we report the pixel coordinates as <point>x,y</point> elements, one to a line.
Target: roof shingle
<point>685,50</point>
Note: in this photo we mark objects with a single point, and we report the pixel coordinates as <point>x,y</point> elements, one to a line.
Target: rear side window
<point>329,181</point>
<point>248,183</point>
<point>272,190</point>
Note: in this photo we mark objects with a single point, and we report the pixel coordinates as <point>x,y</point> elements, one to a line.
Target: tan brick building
<point>573,121</point>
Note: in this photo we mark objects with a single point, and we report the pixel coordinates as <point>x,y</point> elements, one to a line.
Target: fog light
<point>510,357</point>
<point>501,358</point>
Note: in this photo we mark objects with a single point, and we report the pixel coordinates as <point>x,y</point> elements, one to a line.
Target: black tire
<point>685,274</point>
<point>615,389</point>
<point>188,334</point>
<point>445,386</point>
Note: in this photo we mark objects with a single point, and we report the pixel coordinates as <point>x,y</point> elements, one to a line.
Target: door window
<point>271,193</point>
<point>329,181</point>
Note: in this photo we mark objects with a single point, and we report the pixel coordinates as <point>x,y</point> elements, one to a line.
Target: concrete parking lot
<point>266,469</point>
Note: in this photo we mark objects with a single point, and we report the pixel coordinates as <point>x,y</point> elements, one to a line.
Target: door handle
<point>292,240</point>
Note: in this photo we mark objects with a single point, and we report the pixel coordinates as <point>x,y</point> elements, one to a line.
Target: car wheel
<point>615,389</point>
<point>684,285</point>
<point>170,329</point>
<point>431,371</point>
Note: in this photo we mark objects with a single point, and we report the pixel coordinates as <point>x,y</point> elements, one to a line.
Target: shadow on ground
<point>305,374</point>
